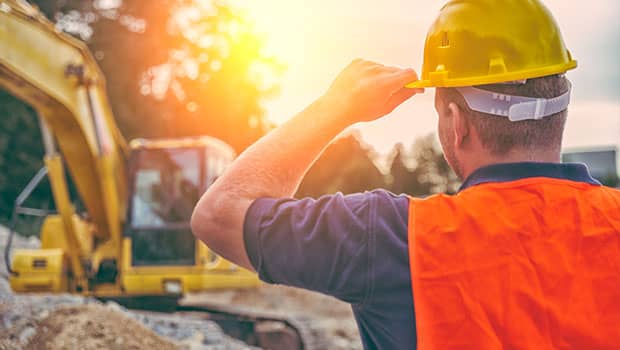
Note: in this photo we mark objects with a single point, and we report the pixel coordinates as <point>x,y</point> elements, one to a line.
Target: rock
<point>26,334</point>
<point>114,306</point>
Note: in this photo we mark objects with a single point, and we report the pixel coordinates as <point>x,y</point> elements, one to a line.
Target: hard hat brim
<point>494,79</point>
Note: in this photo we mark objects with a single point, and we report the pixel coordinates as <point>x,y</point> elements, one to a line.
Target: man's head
<point>475,46</point>
<point>471,139</point>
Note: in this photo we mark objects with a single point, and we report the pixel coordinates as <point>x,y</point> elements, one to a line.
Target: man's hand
<point>365,90</point>
<point>275,165</point>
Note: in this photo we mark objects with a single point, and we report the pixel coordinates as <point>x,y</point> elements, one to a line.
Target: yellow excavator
<point>133,240</point>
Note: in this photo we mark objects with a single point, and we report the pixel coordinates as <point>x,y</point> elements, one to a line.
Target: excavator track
<point>263,329</point>
<point>266,330</point>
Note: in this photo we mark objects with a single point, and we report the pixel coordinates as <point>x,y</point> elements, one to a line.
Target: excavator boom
<point>59,78</point>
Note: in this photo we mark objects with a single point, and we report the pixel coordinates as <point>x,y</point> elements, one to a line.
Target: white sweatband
<point>516,108</point>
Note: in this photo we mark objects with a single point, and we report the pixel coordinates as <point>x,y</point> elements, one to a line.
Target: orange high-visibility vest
<point>526,264</point>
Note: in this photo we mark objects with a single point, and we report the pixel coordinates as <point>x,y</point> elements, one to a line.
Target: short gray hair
<point>500,135</point>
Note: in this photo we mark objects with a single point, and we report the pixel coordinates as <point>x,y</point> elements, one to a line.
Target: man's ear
<point>461,125</point>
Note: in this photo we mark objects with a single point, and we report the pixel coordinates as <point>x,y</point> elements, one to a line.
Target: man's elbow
<point>217,221</point>
<point>203,221</point>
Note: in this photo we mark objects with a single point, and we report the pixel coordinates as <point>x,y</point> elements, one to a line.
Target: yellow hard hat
<point>477,42</point>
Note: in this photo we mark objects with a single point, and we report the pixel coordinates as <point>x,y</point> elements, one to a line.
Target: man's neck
<point>519,156</point>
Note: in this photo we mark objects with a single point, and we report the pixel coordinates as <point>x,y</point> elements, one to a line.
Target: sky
<point>316,39</point>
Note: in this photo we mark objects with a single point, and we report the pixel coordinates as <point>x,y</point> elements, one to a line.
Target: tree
<point>21,154</point>
<point>346,166</point>
<point>428,174</point>
<point>176,67</point>
<point>611,180</point>
<point>403,179</point>
<point>400,177</point>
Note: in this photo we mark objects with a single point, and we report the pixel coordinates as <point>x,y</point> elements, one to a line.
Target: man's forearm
<point>276,164</point>
<point>272,167</point>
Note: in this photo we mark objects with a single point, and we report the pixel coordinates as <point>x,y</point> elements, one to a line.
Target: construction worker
<point>525,256</point>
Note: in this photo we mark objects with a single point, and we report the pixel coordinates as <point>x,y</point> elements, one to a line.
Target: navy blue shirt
<point>355,248</point>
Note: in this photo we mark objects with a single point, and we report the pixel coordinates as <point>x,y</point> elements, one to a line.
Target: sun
<point>275,21</point>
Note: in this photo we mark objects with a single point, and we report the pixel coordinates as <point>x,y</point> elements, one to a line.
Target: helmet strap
<point>516,108</point>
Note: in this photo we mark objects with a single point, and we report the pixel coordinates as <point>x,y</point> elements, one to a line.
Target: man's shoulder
<point>383,204</point>
<point>376,194</point>
<point>342,235</point>
<point>381,195</point>
<point>379,202</point>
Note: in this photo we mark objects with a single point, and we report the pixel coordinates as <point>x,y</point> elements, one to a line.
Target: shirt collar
<point>516,171</point>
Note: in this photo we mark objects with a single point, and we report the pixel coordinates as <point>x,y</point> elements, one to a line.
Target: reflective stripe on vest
<point>528,264</point>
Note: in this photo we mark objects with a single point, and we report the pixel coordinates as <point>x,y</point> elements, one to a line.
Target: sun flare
<point>315,39</point>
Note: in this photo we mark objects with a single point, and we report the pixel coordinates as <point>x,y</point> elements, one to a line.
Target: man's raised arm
<point>275,165</point>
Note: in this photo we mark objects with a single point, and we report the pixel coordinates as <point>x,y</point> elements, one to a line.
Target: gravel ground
<point>332,317</point>
<point>45,321</point>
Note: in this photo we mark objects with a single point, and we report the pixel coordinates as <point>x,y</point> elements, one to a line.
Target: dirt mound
<point>93,327</point>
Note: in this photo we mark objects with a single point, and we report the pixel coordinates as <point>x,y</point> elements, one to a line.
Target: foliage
<point>21,153</point>
<point>173,68</point>
<point>176,67</point>
<point>423,172</point>
<point>346,166</point>
<point>611,180</point>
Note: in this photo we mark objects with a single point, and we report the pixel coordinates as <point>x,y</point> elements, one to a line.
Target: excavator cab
<point>166,184</point>
<point>167,177</point>
<point>159,255</point>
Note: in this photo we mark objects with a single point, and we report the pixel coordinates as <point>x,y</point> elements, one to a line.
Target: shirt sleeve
<point>325,245</point>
